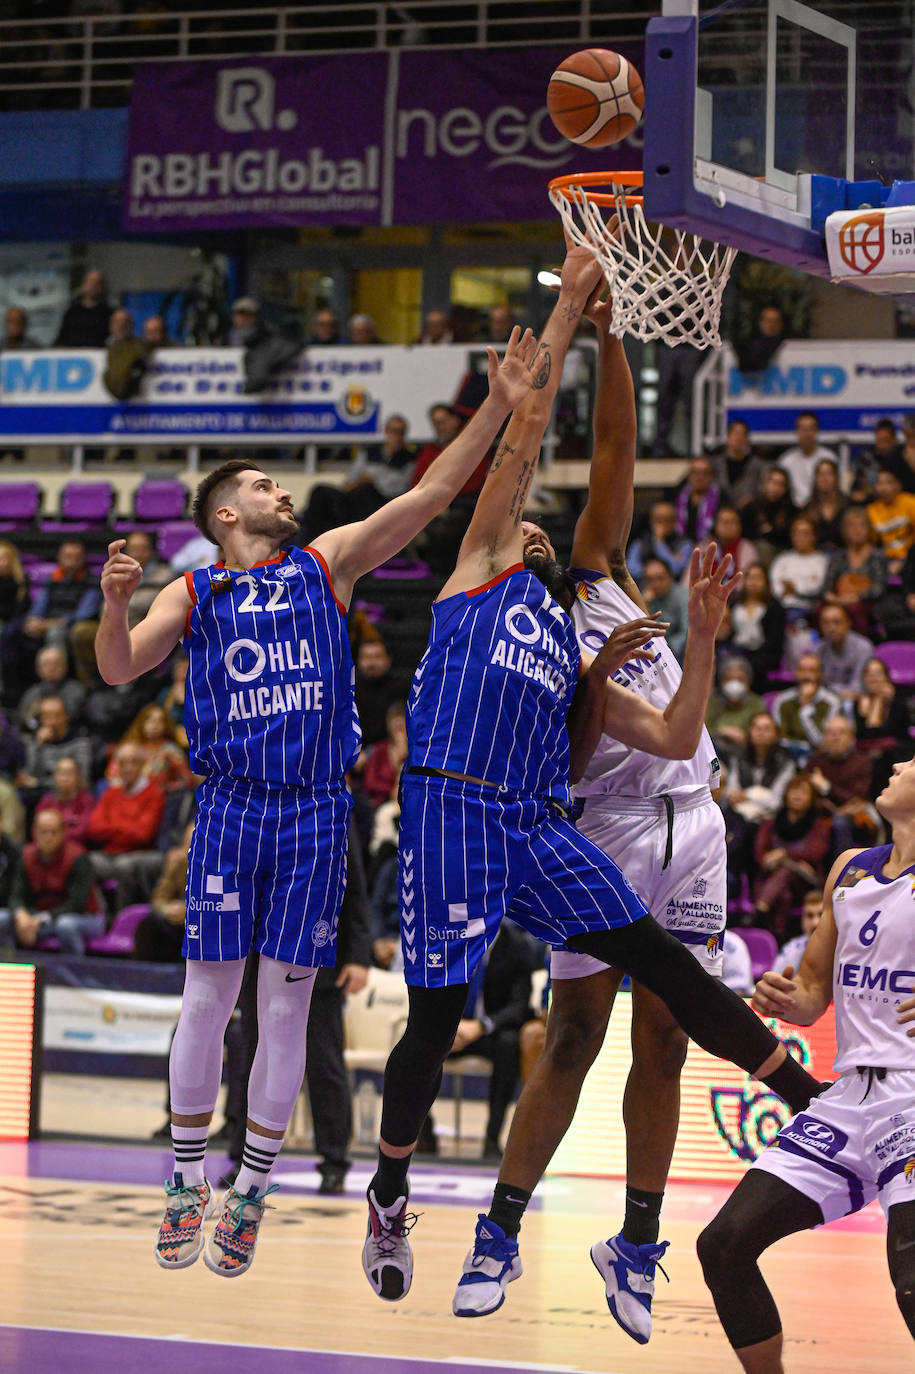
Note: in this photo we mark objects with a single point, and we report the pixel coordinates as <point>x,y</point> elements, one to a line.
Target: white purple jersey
<point>600,606</point>
<point>491,695</point>
<point>874,967</point>
<point>270,685</point>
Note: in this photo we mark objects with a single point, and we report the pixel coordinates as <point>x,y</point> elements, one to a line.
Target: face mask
<point>733,690</point>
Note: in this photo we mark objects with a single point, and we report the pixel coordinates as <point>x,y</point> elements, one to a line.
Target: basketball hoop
<point>668,290</point>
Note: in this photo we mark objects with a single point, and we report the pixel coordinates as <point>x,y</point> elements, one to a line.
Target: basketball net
<point>664,283</point>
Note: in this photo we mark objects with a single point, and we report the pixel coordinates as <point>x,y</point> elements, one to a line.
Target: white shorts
<point>688,896</point>
<point>843,1151</point>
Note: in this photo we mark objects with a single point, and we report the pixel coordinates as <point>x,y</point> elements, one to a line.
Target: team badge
<point>220,580</point>
<point>320,934</point>
<point>586,591</point>
<point>909,1170</point>
<point>713,945</point>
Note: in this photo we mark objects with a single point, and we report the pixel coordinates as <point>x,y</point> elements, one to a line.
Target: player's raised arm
<point>353,550</point>
<point>494,540</point>
<point>603,528</point>
<point>123,654</point>
<point>802,997</point>
<point>675,732</point>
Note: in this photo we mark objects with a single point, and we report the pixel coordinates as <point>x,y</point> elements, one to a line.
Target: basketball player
<point>484,829</point>
<point>272,727</point>
<point>857,1141</point>
<point>656,818</point>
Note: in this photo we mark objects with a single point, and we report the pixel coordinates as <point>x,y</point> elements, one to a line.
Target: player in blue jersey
<point>857,1141</point>
<point>272,726</point>
<point>494,732</point>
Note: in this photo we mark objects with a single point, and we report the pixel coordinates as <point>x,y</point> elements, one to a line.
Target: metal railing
<point>82,63</point>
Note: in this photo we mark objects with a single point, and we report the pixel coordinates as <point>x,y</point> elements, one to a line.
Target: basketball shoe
<point>180,1238</point>
<point>386,1255</point>
<point>628,1272</point>
<point>489,1268</point>
<point>230,1249</point>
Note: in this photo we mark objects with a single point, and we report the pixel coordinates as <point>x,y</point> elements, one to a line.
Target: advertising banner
<point>726,1117</point>
<point>108,1021</point>
<point>849,385</point>
<point>405,137</point>
<point>195,395</point>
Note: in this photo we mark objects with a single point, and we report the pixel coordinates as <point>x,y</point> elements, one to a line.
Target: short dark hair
<point>807,415</point>
<point>887,424</point>
<point>209,487</point>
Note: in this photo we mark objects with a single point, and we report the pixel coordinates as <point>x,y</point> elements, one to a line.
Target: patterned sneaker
<point>491,1265</point>
<point>230,1249</point>
<point>386,1256</point>
<point>180,1238</point>
<point>628,1272</point>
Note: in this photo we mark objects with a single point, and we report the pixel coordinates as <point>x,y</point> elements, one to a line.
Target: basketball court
<point>83,1293</point>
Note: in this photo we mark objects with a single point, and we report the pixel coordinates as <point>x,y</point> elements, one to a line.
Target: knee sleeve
<point>900,1249</point>
<point>195,1062</point>
<point>283,1002</point>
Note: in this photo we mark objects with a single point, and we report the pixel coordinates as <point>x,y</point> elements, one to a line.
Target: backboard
<point>764,116</point>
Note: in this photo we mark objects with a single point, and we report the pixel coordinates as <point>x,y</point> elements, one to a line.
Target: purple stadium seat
<point>40,572</point>
<point>119,939</point>
<point>763,948</point>
<point>159,499</point>
<point>899,657</point>
<point>20,503</point>
<point>89,502</point>
<point>173,535</point>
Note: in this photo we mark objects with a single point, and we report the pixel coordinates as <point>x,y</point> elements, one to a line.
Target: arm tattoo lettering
<point>502,451</point>
<point>519,497</point>
<point>543,365</point>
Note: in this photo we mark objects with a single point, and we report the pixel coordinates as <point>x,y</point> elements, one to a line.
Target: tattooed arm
<point>493,541</point>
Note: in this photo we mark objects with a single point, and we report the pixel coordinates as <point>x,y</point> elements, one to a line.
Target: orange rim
<point>563,186</point>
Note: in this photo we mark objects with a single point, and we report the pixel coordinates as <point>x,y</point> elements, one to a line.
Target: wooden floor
<point>77,1255</point>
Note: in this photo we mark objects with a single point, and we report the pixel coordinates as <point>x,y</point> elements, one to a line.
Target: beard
<point>278,525</point>
<point>554,577</point>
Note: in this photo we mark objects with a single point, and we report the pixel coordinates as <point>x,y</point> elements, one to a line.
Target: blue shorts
<point>266,871</point>
<point>468,857</point>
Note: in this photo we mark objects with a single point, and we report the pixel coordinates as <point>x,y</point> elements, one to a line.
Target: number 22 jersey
<point>269,694</point>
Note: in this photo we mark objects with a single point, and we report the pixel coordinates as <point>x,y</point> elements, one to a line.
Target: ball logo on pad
<point>595,97</point>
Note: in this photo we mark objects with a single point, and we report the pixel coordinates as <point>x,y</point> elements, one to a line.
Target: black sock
<point>508,1204</point>
<point>390,1181</point>
<point>793,1083</point>
<point>643,1216</point>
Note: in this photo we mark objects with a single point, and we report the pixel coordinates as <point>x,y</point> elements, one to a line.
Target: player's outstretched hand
<point>627,641</point>
<point>709,589</point>
<point>581,273</point>
<point>120,575</point>
<point>511,379</point>
<point>774,994</point>
<point>905,1014</point>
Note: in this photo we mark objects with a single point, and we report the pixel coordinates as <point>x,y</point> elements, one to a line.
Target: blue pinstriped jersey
<point>492,692</point>
<point>269,693</point>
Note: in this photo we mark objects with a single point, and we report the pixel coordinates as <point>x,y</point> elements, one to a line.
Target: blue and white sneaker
<point>491,1265</point>
<point>628,1272</point>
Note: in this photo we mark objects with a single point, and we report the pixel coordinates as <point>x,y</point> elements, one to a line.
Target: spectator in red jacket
<point>124,824</point>
<point>71,798</point>
<point>53,893</point>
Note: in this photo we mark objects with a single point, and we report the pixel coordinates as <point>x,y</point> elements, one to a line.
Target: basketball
<point>595,97</point>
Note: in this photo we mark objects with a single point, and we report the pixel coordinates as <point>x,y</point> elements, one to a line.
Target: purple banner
<point>475,140</point>
<point>407,137</point>
<point>272,141</point>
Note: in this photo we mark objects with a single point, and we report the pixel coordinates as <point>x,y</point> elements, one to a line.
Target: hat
<point>245,305</point>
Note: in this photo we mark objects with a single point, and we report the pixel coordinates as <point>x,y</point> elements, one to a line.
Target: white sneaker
<point>386,1255</point>
<point>628,1273</point>
<point>489,1268</point>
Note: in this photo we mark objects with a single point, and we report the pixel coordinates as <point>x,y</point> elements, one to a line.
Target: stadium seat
<point>20,503</point>
<point>83,506</point>
<point>158,499</point>
<point>899,657</point>
<point>763,948</point>
<point>173,535</point>
<point>119,939</point>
